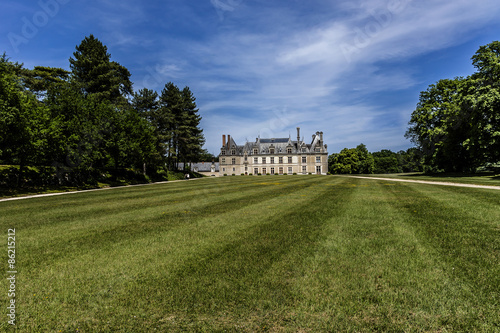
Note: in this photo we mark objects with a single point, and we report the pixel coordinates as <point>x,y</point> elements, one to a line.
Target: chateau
<point>274,156</point>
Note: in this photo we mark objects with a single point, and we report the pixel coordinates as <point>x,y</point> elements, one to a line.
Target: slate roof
<point>280,145</point>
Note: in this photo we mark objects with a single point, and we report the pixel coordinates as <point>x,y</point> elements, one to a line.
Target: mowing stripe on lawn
<point>87,229</point>
<point>253,254</point>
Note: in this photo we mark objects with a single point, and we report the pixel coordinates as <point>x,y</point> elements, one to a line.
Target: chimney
<point>321,136</point>
<point>228,141</point>
<point>298,134</point>
<point>223,140</point>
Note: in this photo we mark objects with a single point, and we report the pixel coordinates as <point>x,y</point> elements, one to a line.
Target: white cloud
<point>245,68</point>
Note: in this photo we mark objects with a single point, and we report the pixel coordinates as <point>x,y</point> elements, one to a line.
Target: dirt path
<point>430,182</point>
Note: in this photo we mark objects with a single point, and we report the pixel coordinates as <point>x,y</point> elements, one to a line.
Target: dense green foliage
<point>87,125</point>
<point>359,161</point>
<point>456,124</point>
<point>258,254</point>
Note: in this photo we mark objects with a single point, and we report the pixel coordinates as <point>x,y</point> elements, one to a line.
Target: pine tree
<point>95,73</point>
<point>193,134</point>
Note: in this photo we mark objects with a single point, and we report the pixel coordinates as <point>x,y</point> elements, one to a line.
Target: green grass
<point>258,254</point>
<point>483,178</point>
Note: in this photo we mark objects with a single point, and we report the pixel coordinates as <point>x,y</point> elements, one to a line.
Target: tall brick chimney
<point>228,141</point>
<point>223,140</point>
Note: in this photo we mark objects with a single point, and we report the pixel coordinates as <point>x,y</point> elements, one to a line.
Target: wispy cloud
<point>267,67</point>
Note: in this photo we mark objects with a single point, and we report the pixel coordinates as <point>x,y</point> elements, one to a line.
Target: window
<point>255,171</point>
<point>263,160</point>
<point>272,171</point>
<point>223,152</point>
<point>280,170</point>
<point>255,151</point>
<point>290,170</point>
<point>264,171</point>
<point>246,158</point>
<point>233,160</point>
<point>281,160</point>
<point>304,169</point>
<point>255,160</point>
<point>271,150</point>
<point>272,160</point>
<point>223,169</point>
<point>234,169</point>
<point>318,150</point>
<point>246,168</point>
<point>318,159</point>
<point>289,159</point>
<point>223,161</point>
<point>304,159</point>
<point>233,152</point>
<point>289,150</point>
<point>318,170</point>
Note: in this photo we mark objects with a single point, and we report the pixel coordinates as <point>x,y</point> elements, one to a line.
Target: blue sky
<point>351,69</point>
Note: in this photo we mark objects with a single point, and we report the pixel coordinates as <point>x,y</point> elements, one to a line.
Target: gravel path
<point>430,182</point>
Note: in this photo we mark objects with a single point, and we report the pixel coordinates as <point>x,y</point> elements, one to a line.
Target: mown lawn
<point>484,178</point>
<point>257,254</point>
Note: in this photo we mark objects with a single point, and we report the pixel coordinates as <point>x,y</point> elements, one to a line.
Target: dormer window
<point>223,152</point>
<point>289,150</point>
<point>271,150</point>
<point>233,152</point>
<point>255,151</point>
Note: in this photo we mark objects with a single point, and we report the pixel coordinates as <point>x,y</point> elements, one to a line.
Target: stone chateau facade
<point>274,156</point>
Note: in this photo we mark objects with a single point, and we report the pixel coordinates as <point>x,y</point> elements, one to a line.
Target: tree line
<point>455,127</point>
<point>87,125</point>
<point>360,161</point>
<point>456,124</point>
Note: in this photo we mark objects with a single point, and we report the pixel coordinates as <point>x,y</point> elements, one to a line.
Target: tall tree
<point>171,122</point>
<point>146,103</point>
<point>191,138</point>
<point>456,124</point>
<point>439,128</point>
<point>481,103</point>
<point>23,120</point>
<point>95,73</point>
